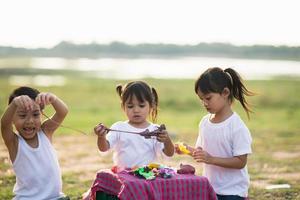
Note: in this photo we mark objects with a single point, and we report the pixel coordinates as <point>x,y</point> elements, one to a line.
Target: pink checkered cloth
<point>127,186</point>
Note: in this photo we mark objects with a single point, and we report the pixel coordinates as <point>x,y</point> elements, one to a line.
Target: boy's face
<point>28,122</point>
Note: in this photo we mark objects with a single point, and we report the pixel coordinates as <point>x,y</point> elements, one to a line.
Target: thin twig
<point>145,133</point>
<point>64,126</point>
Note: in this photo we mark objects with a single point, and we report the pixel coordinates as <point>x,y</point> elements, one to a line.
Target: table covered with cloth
<point>126,186</point>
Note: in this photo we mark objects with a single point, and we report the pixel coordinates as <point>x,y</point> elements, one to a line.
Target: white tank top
<point>38,175</point>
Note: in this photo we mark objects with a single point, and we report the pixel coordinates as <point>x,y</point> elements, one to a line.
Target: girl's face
<point>214,102</point>
<point>28,122</point>
<point>137,112</point>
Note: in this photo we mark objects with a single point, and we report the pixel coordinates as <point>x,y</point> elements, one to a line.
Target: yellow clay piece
<point>153,165</point>
<point>183,148</point>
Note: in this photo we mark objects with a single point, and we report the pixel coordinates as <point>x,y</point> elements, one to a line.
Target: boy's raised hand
<point>45,98</point>
<point>24,101</point>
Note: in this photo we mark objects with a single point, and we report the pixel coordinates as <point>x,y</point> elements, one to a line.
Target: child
<point>30,150</point>
<point>224,141</point>
<point>138,101</point>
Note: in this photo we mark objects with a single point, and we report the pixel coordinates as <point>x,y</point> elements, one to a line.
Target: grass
<point>274,126</point>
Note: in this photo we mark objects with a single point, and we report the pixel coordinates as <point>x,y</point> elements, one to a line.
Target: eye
<point>36,114</point>
<point>142,105</point>
<point>22,115</point>
<point>129,106</point>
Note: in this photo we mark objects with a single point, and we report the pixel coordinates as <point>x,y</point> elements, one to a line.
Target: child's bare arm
<point>9,137</point>
<point>101,131</point>
<point>163,137</point>
<point>236,162</point>
<point>61,110</point>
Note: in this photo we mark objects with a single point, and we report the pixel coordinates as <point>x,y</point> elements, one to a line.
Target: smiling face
<point>137,112</point>
<point>28,122</point>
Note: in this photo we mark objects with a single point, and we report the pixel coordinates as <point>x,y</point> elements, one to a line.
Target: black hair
<point>215,80</point>
<point>143,92</point>
<point>24,90</point>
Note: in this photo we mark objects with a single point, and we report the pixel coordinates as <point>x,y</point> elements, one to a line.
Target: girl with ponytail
<point>224,141</point>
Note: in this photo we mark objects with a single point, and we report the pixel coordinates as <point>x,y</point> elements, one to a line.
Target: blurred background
<point>80,50</point>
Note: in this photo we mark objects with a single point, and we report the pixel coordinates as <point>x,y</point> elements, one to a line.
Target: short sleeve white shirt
<point>132,150</point>
<point>226,139</point>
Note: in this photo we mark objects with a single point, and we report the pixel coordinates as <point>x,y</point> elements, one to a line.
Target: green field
<point>274,126</point>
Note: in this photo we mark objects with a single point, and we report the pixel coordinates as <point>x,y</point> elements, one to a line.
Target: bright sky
<point>44,23</point>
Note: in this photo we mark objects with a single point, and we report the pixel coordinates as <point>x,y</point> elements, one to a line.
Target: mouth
<point>137,117</point>
<point>28,130</point>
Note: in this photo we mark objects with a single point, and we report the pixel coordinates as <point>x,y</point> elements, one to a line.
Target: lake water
<point>189,67</point>
<point>124,68</point>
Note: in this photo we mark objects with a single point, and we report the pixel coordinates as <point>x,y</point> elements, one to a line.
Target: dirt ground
<point>79,154</point>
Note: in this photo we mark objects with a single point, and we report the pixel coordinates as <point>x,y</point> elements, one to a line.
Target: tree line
<point>119,49</point>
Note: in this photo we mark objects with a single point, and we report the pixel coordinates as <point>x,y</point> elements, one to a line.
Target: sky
<point>45,23</point>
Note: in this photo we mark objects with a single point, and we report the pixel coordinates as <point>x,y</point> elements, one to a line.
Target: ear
<point>226,92</point>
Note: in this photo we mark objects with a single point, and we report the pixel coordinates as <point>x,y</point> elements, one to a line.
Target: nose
<point>204,103</point>
<point>136,109</point>
<point>29,119</point>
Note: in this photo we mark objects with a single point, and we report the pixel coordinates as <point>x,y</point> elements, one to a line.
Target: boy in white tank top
<point>30,150</point>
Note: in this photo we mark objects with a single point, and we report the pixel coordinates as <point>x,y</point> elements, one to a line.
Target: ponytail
<point>216,80</point>
<point>154,104</point>
<point>239,90</point>
<point>119,90</point>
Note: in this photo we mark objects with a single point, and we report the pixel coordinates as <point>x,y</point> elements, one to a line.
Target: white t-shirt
<point>38,175</point>
<point>131,150</point>
<point>226,139</point>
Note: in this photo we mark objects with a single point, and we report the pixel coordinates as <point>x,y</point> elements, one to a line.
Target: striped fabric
<point>127,186</point>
